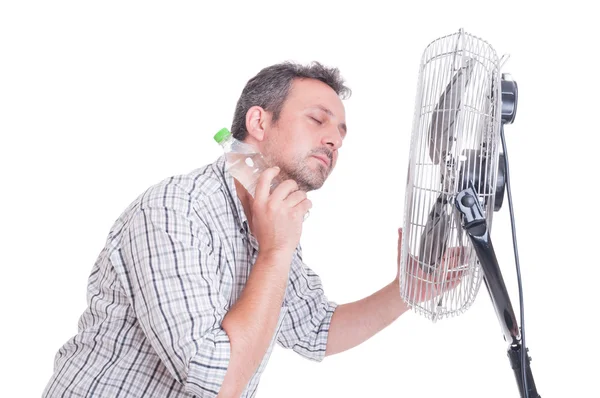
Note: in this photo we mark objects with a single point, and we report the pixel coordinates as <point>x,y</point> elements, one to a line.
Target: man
<point>198,279</point>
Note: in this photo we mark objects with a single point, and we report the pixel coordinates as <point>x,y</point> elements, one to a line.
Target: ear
<point>256,121</point>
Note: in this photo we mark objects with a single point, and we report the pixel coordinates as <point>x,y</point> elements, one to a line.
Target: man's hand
<point>355,322</point>
<point>429,285</point>
<point>277,217</point>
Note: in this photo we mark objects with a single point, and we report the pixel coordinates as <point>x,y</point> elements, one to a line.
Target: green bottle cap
<point>222,135</point>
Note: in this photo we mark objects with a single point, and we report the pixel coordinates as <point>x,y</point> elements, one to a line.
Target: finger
<point>399,239</point>
<point>464,255</point>
<point>295,197</point>
<point>264,183</point>
<point>303,207</point>
<point>413,264</point>
<point>454,257</point>
<point>283,190</point>
<point>449,281</point>
<point>454,276</point>
<point>399,256</point>
<point>449,285</point>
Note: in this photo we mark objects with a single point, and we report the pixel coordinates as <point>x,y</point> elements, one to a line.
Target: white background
<point>100,100</point>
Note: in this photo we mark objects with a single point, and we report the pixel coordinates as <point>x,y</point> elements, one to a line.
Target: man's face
<point>304,142</point>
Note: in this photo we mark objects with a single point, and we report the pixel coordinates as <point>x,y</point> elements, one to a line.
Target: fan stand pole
<point>474,223</point>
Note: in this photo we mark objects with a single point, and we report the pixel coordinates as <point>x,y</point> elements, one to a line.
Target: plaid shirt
<point>174,263</point>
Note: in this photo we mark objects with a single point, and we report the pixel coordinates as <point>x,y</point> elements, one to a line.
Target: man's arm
<point>250,324</point>
<point>316,327</point>
<point>354,323</point>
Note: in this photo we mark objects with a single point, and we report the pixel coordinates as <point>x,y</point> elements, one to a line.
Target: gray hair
<point>270,87</point>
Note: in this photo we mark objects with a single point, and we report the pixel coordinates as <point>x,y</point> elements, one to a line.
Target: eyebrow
<point>327,111</point>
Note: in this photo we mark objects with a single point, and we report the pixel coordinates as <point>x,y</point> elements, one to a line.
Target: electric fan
<point>457,178</point>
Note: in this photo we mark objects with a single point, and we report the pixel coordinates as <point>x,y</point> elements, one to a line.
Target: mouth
<point>323,159</point>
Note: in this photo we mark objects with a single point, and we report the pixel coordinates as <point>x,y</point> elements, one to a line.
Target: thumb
<point>399,244</point>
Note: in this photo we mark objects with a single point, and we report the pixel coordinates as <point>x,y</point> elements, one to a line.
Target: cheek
<point>296,145</point>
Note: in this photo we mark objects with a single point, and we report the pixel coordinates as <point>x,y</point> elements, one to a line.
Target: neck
<point>246,200</point>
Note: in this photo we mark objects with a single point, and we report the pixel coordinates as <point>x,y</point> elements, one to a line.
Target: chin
<point>316,184</point>
<point>309,184</point>
<point>310,178</point>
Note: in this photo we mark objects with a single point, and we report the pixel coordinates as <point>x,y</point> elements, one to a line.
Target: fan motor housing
<point>473,170</point>
<point>510,98</point>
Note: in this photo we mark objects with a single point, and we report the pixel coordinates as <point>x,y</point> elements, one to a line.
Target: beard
<point>299,170</point>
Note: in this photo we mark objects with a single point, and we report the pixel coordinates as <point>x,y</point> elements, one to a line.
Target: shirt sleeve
<point>172,280</point>
<point>305,327</point>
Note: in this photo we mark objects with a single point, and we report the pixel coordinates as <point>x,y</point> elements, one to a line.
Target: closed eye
<point>316,120</point>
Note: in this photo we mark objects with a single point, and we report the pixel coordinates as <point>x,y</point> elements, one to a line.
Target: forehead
<point>311,93</point>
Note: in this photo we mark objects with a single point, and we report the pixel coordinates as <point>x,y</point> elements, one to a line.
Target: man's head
<point>295,116</point>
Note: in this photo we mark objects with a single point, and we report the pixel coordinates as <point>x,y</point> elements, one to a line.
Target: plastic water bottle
<point>242,160</point>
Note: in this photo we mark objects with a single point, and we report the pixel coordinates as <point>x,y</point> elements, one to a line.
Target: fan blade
<point>441,134</point>
<point>435,236</point>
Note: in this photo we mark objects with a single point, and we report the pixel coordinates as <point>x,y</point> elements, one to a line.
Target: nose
<point>332,138</point>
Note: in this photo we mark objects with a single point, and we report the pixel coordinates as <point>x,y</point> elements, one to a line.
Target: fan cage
<point>476,111</point>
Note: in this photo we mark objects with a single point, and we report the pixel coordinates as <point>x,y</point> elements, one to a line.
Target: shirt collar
<point>229,185</point>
